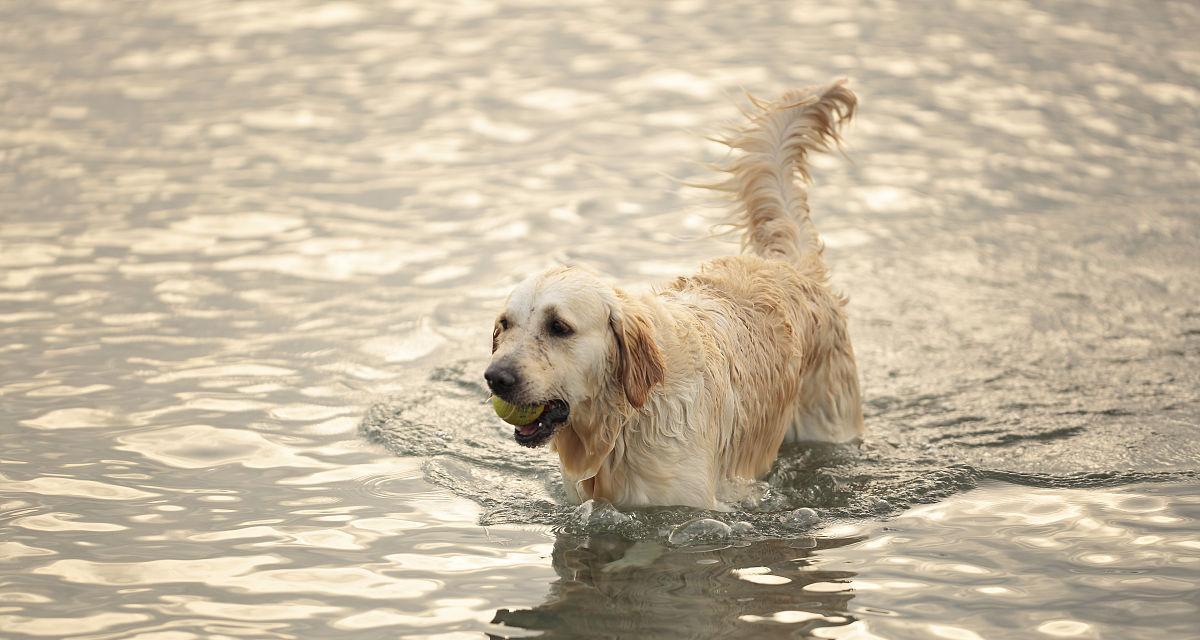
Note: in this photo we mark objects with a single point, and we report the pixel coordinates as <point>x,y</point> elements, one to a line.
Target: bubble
<point>699,530</point>
<point>742,528</point>
<point>802,517</point>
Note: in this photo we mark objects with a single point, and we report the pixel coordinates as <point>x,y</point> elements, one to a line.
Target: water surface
<point>250,253</point>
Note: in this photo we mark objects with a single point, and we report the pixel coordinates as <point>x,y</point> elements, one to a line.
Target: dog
<point>666,397</point>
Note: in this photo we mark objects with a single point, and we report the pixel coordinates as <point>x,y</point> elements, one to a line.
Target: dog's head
<point>569,343</point>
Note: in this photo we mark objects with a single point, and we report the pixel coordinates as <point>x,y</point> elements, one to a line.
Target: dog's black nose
<point>501,378</point>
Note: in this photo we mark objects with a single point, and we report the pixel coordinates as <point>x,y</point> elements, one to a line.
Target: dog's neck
<point>594,448</point>
<point>585,445</point>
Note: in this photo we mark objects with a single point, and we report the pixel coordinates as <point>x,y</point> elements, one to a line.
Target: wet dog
<point>662,398</point>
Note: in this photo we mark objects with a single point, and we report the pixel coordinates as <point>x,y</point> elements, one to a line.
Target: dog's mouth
<point>539,431</point>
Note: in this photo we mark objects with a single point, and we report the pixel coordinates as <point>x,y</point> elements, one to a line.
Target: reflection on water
<point>611,587</point>
<point>1003,559</point>
<point>237,236</point>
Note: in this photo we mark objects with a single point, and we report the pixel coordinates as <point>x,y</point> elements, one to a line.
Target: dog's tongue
<point>527,430</point>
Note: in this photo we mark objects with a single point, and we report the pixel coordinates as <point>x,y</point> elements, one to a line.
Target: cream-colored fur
<point>676,392</point>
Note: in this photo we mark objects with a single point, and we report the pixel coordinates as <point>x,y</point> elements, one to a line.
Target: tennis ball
<point>516,415</point>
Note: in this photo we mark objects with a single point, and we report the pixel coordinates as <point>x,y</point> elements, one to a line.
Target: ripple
<point>448,613</point>
<point>359,582</point>
<point>307,412</point>
<point>28,254</point>
<point>467,562</point>
<point>230,228</point>
<point>214,571</point>
<point>56,486</point>
<point>10,551</point>
<point>241,370</point>
<point>56,627</point>
<point>73,418</point>
<point>1064,628</point>
<point>239,225</point>
<point>62,391</point>
<point>784,617</point>
<point>63,522</point>
<point>412,345</point>
<point>287,120</point>
<point>201,446</point>
<point>247,612</point>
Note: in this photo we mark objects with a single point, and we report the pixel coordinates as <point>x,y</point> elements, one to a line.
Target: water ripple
<point>230,229</point>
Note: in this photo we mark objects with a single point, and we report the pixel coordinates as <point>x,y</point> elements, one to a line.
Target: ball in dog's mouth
<point>536,433</point>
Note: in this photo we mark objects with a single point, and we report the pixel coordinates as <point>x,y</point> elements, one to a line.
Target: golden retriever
<point>667,397</point>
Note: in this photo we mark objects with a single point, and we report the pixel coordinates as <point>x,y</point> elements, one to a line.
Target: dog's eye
<point>559,329</point>
<point>503,322</point>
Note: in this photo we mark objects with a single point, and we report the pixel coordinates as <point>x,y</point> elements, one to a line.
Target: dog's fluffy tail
<point>774,146</point>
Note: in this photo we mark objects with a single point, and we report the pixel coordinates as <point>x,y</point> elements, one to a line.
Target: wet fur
<point>675,392</point>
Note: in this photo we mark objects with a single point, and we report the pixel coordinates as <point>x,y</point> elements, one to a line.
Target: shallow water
<point>250,254</point>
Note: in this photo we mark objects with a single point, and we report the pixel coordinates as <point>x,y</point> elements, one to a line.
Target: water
<point>250,254</point>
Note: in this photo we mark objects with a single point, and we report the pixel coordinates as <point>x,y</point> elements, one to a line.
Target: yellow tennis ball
<point>515,415</point>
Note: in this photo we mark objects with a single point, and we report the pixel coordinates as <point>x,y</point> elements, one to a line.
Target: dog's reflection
<point>612,587</point>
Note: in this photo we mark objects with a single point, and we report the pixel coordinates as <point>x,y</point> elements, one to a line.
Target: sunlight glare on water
<point>250,254</point>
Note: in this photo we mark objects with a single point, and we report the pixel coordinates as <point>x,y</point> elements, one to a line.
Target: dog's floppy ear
<point>639,362</point>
